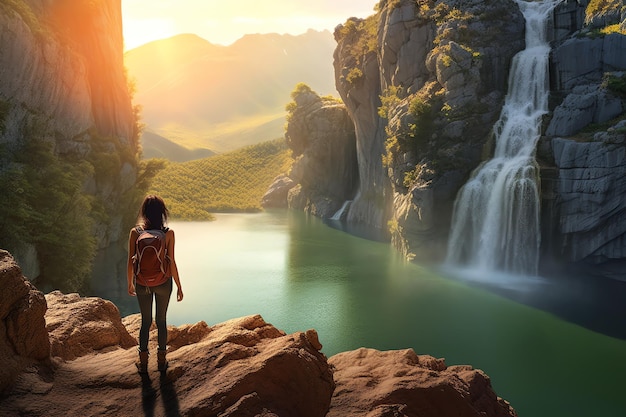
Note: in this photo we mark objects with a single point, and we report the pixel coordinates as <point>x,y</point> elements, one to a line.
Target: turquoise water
<point>298,273</point>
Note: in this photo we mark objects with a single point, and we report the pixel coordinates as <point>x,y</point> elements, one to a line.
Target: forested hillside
<point>231,182</point>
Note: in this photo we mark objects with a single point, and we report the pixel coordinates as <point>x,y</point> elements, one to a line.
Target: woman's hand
<point>131,289</point>
<point>179,294</point>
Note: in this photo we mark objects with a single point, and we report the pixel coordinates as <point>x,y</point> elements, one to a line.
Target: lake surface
<point>551,347</point>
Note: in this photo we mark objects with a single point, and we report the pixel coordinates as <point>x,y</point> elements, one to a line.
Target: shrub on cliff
<point>26,13</point>
<point>596,7</point>
<point>364,32</point>
<point>615,83</point>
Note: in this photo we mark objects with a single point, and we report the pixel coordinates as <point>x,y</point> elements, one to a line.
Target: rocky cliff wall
<point>62,82</point>
<point>424,82</point>
<point>582,152</point>
<point>62,63</point>
<point>438,71</point>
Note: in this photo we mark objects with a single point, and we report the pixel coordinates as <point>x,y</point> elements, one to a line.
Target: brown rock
<point>26,326</point>
<point>401,383</point>
<point>23,335</point>
<point>177,337</point>
<point>243,367</point>
<point>249,367</point>
<point>81,325</point>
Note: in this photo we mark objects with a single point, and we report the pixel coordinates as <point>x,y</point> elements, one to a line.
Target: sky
<point>224,21</point>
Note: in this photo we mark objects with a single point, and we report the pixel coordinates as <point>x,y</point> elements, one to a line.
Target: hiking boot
<point>161,361</point>
<point>142,364</point>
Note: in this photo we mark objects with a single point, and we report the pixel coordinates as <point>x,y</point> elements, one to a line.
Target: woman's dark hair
<point>153,213</point>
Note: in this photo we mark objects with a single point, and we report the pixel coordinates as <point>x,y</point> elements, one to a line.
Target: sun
<point>140,31</point>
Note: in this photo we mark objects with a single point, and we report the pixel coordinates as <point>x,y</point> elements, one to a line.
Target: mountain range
<point>201,96</point>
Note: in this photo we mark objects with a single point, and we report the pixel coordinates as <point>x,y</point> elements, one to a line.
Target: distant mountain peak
<point>202,95</point>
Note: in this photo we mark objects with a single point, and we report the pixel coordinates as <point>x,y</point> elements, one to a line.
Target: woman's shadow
<point>168,395</point>
<point>169,398</point>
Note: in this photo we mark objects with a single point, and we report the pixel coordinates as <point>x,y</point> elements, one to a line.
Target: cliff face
<point>63,64</point>
<point>320,134</point>
<point>62,85</point>
<point>424,83</point>
<point>584,149</point>
<point>438,71</point>
<point>321,137</point>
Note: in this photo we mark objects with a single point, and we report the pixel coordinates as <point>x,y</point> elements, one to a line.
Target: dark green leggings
<point>145,295</point>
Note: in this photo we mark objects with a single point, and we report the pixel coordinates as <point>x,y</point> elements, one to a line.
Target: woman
<point>152,218</point>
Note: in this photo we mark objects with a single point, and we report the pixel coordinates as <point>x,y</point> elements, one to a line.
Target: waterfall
<point>495,223</point>
<point>339,213</point>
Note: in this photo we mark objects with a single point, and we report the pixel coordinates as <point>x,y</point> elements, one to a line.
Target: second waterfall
<point>495,224</point>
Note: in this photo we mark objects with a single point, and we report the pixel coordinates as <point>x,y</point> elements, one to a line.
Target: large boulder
<point>248,367</point>
<point>276,194</point>
<point>401,383</point>
<point>23,335</point>
<point>82,325</point>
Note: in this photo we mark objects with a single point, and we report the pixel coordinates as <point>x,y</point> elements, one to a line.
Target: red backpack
<point>151,261</point>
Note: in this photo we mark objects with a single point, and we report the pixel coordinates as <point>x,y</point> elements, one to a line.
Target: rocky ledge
<point>243,367</point>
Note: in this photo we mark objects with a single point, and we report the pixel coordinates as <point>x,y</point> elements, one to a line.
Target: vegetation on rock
<point>601,6</point>
<point>615,83</point>
<point>26,13</point>
<point>364,32</point>
<point>43,205</point>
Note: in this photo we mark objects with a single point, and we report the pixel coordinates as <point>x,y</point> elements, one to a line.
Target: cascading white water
<point>495,224</point>
<point>339,213</point>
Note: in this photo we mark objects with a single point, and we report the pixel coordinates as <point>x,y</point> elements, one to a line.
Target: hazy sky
<point>225,21</point>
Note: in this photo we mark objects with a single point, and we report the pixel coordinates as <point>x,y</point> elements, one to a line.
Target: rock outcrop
<point>402,383</point>
<point>584,192</point>
<point>321,137</point>
<point>23,336</point>
<point>584,203</point>
<point>242,367</point>
<point>78,326</point>
<point>276,195</point>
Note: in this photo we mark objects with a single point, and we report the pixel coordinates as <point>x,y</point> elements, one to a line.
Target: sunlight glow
<point>223,23</point>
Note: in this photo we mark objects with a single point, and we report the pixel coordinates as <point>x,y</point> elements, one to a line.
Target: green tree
<point>44,206</point>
